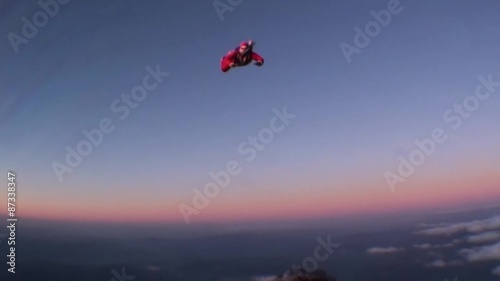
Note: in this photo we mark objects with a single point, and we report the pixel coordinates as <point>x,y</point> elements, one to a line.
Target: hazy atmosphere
<point>358,138</point>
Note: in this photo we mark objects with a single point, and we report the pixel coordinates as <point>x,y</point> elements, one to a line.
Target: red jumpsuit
<point>238,59</point>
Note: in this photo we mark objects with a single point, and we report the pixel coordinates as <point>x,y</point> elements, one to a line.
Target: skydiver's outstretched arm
<point>256,57</point>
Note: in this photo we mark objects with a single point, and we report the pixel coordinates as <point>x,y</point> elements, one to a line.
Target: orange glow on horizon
<point>344,203</point>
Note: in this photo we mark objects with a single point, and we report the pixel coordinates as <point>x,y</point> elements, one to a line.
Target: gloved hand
<point>232,64</point>
<point>259,63</point>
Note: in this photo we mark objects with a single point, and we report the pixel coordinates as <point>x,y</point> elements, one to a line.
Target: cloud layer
<point>485,237</point>
<point>470,227</point>
<point>485,253</point>
<point>483,231</point>
<point>381,250</point>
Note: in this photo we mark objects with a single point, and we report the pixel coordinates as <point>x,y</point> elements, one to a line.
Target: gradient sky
<point>353,119</point>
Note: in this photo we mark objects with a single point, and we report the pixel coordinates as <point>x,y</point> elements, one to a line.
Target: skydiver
<point>241,56</point>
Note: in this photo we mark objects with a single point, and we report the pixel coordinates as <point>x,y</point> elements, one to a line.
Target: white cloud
<point>471,227</point>
<point>427,246</point>
<point>423,246</point>
<point>380,250</point>
<point>485,237</point>
<point>442,264</point>
<point>153,268</point>
<point>485,253</point>
<point>485,225</point>
<point>496,271</point>
<point>438,263</point>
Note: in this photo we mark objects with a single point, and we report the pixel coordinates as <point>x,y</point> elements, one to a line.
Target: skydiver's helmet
<point>244,47</point>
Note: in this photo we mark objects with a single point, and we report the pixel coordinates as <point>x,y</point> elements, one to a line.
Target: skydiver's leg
<point>224,65</point>
<point>225,68</point>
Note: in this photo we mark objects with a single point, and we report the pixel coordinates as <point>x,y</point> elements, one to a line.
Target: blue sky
<point>353,118</point>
